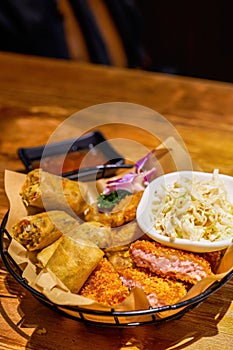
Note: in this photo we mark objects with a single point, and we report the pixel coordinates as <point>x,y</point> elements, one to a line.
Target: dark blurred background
<point>193,38</point>
<point>189,38</point>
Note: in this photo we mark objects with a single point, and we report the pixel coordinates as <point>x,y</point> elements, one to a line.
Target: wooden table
<point>36,95</point>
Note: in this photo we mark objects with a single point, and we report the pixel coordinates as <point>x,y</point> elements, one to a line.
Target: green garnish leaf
<point>107,202</point>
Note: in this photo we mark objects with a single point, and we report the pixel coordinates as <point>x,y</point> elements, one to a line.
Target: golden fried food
<point>159,291</point>
<point>52,192</point>
<point>45,254</point>
<point>214,258</point>
<point>40,230</point>
<point>126,234</point>
<point>119,257</point>
<point>73,261</point>
<point>122,213</point>
<point>95,232</point>
<point>104,285</point>
<point>170,262</point>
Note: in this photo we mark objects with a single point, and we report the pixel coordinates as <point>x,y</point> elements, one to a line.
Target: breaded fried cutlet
<point>173,263</point>
<point>214,258</point>
<point>159,291</point>
<point>104,285</point>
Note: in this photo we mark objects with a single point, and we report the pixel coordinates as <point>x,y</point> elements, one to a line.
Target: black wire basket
<point>110,318</point>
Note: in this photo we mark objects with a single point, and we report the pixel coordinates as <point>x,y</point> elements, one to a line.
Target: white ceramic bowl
<point>145,217</point>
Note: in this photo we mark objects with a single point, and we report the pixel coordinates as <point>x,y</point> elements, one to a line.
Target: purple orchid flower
<point>133,182</point>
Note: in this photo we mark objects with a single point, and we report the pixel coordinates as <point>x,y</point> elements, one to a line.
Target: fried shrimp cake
<point>214,258</point>
<point>159,291</point>
<point>104,285</point>
<point>170,262</point>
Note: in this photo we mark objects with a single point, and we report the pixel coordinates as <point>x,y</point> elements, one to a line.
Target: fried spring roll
<point>40,230</point>
<point>73,261</point>
<point>95,232</point>
<point>173,263</point>
<point>52,192</point>
<point>105,236</point>
<point>90,231</point>
<point>45,254</point>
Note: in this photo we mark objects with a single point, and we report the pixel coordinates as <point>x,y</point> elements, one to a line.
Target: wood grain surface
<point>36,96</point>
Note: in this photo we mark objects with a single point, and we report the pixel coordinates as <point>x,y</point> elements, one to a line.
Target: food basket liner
<point>49,285</point>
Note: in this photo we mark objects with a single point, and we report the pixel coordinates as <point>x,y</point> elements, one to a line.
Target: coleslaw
<point>194,210</point>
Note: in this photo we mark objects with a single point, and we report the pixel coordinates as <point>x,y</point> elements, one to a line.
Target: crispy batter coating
<point>170,262</point>
<point>159,291</point>
<point>122,213</point>
<point>214,258</point>
<point>104,285</point>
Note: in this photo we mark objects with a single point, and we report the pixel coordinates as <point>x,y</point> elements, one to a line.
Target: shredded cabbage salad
<point>194,210</point>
